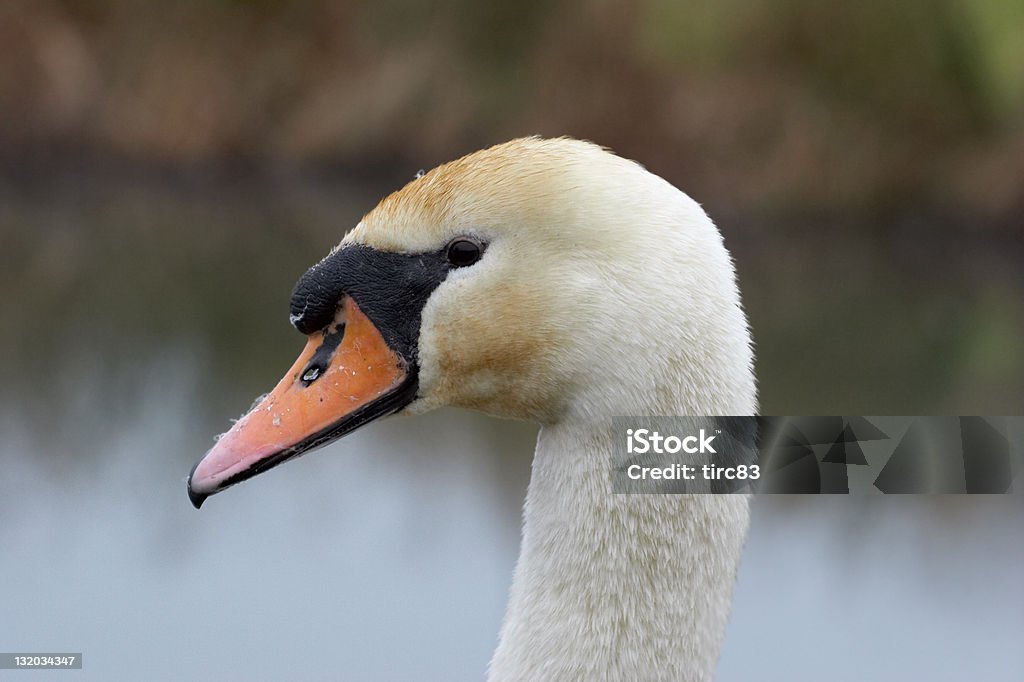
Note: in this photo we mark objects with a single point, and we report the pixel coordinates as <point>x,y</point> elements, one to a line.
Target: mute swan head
<point>542,279</point>
<point>547,280</point>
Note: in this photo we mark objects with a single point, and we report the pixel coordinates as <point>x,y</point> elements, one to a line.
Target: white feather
<point>604,291</point>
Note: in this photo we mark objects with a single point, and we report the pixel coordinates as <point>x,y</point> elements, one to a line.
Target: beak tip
<point>196,498</point>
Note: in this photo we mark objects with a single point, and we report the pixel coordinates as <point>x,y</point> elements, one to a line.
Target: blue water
<point>140,320</point>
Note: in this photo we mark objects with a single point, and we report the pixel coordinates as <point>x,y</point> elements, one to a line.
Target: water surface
<point>141,316</point>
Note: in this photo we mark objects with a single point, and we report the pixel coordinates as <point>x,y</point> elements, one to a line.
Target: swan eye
<point>463,252</point>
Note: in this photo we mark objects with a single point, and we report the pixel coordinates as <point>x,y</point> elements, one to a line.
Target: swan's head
<point>538,279</point>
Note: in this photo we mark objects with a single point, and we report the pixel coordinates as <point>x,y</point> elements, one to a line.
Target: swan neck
<point>612,586</point>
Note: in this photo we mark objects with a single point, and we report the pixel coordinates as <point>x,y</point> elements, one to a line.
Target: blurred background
<point>168,170</point>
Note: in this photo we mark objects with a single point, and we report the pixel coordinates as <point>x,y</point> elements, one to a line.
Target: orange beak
<point>345,377</point>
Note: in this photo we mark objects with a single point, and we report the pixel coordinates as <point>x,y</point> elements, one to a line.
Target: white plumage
<point>603,291</point>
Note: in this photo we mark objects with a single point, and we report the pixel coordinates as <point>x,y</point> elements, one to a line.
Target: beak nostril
<point>321,359</point>
<point>311,374</point>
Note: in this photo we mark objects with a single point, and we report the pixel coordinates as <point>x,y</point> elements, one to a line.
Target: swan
<point>548,280</point>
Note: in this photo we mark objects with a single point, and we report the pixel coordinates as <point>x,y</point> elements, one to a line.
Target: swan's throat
<point>615,587</point>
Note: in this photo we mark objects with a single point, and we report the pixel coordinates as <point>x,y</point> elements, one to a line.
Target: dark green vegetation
<point>759,105</point>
